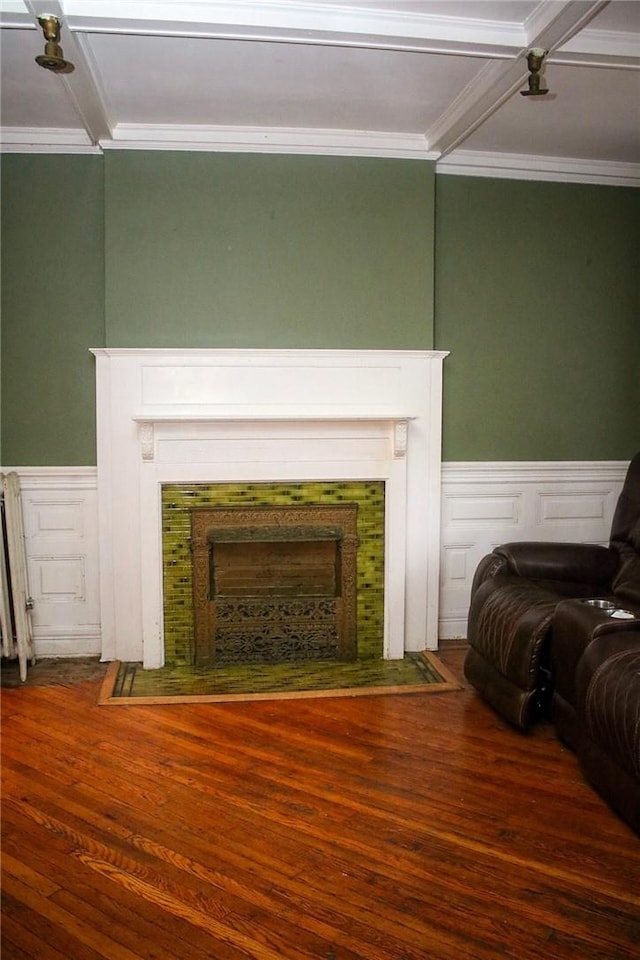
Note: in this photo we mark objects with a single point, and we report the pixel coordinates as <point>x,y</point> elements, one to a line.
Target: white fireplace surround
<point>240,416</point>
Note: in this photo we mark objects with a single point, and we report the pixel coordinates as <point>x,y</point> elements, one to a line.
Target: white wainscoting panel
<point>485,504</point>
<point>60,507</point>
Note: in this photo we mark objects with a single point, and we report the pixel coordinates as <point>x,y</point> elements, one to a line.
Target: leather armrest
<point>576,562</point>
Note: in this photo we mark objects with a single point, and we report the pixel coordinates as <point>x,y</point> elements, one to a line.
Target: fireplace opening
<point>274,583</point>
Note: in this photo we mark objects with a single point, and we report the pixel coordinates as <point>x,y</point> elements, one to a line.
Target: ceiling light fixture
<point>53,57</point>
<point>535,59</point>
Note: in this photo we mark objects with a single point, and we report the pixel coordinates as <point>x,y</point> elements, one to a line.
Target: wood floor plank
<point>100,943</point>
<point>19,939</point>
<point>477,867</point>
<point>14,867</point>
<point>377,828</point>
<point>137,922</point>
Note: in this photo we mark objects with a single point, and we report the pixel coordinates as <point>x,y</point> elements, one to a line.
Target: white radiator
<point>15,601</point>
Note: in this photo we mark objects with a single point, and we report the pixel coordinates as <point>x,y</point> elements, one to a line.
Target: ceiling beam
<point>296,21</point>
<point>501,47</point>
<point>553,23</point>
<point>81,87</point>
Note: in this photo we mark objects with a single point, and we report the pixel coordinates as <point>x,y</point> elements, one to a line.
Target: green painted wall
<point>538,300</point>
<point>537,293</point>
<point>228,250</point>
<point>52,307</point>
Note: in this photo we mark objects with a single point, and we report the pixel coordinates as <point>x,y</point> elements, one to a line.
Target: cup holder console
<point>610,609</point>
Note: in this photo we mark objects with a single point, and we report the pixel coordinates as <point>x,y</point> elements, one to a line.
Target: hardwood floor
<point>404,827</point>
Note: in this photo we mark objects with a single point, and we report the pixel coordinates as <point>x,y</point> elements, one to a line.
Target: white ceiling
<point>434,79</point>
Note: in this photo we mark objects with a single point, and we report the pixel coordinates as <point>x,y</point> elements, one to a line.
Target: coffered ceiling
<point>435,79</point>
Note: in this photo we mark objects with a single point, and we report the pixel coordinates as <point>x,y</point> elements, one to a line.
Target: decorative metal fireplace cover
<point>294,599</point>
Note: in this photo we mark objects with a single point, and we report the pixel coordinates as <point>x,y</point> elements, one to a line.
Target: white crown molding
<point>45,140</point>
<point>470,163</point>
<point>333,143</point>
<point>269,140</point>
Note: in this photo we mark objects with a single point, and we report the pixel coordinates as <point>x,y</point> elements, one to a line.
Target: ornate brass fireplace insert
<point>274,583</point>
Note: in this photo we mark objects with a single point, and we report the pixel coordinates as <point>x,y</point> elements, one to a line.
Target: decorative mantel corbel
<point>400,438</point>
<point>145,433</point>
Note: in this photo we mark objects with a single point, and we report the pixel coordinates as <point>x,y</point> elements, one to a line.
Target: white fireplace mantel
<point>147,425</point>
<point>206,416</point>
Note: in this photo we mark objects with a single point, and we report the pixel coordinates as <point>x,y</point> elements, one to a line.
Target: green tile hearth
<point>177,680</point>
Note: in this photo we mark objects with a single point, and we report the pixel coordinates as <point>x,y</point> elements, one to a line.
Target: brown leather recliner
<point>608,706</point>
<point>529,628</point>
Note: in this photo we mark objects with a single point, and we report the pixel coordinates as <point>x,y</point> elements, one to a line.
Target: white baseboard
<point>69,641</point>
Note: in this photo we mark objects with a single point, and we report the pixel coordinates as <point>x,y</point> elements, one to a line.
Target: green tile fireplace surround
<point>179,499</point>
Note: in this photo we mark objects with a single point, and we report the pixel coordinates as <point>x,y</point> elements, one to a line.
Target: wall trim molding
<point>513,166</point>
<point>46,140</point>
<point>347,143</point>
<point>490,502</point>
<point>483,503</point>
<point>68,478</point>
<point>237,139</point>
<point>533,471</point>
<point>68,641</point>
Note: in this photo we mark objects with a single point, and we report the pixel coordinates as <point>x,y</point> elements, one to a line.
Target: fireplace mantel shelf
<point>250,416</point>
<point>147,423</point>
